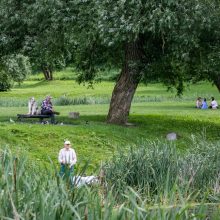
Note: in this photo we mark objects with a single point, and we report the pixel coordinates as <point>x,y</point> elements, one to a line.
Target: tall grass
<point>88,100</point>
<point>63,100</point>
<point>155,168</point>
<point>29,193</point>
<point>13,102</point>
<point>158,183</point>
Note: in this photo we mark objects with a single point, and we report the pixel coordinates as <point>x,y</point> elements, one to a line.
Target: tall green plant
<point>154,168</point>
<point>29,193</point>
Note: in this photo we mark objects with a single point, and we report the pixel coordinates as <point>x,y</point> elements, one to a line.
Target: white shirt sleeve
<point>60,156</point>
<point>73,158</point>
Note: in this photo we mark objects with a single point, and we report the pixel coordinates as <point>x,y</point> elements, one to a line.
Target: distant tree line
<point>173,41</point>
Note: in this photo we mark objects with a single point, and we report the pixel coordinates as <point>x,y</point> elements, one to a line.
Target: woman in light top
<point>198,102</point>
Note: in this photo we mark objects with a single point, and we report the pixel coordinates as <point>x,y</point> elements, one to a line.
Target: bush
<point>15,68</point>
<point>5,81</point>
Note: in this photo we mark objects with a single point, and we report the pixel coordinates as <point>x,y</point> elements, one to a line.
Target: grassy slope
<point>97,140</point>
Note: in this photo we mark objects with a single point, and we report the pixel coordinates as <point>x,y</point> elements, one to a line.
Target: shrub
<point>15,68</point>
<point>5,81</point>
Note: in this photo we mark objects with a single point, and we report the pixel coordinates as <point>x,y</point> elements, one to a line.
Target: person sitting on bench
<point>47,108</point>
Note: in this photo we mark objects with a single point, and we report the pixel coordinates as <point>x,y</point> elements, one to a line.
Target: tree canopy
<point>175,36</point>
<point>167,40</point>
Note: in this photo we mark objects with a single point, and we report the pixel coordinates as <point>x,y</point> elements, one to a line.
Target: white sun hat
<point>67,142</point>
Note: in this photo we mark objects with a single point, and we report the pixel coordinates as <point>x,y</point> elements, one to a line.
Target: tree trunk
<point>51,75</point>
<point>45,74</point>
<point>48,74</point>
<point>126,85</point>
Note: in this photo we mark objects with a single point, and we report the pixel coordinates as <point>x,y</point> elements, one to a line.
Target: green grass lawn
<point>154,113</point>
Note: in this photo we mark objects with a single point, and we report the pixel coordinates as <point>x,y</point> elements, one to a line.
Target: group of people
<point>67,156</point>
<point>202,103</point>
<point>46,108</point>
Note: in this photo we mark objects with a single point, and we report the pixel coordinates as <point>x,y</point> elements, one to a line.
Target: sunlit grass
<point>70,88</point>
<point>154,113</point>
<point>95,140</point>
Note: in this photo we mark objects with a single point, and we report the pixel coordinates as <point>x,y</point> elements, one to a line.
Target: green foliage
<point>63,100</point>
<point>179,39</point>
<point>17,66</point>
<point>13,26</point>
<point>14,68</point>
<point>46,41</point>
<point>173,36</point>
<point>5,81</point>
<point>30,194</point>
<point>36,30</point>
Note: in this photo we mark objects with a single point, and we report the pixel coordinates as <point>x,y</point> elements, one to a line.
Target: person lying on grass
<point>47,108</point>
<point>67,159</point>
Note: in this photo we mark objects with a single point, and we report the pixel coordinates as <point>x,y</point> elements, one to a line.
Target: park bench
<point>20,117</point>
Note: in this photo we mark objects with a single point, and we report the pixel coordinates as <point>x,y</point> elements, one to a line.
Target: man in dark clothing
<point>47,108</point>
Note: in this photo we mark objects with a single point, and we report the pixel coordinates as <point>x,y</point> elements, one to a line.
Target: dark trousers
<point>66,171</point>
<point>49,112</point>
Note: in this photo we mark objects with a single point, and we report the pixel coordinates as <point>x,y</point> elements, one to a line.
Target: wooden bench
<point>41,117</point>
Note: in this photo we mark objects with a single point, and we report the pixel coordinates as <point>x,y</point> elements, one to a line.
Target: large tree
<point>46,41</point>
<point>159,38</point>
<point>171,40</point>
<point>36,29</point>
<point>14,66</point>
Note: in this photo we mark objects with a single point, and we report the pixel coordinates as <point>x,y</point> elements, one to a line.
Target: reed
<point>153,181</point>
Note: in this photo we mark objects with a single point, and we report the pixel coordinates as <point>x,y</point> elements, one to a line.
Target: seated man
<point>214,104</point>
<point>47,109</point>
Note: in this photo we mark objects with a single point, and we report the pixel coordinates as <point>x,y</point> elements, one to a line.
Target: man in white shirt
<point>214,104</point>
<point>67,159</point>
